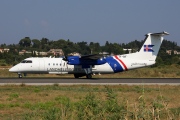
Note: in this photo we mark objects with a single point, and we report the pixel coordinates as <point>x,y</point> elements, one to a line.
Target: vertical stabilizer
<point>151,45</point>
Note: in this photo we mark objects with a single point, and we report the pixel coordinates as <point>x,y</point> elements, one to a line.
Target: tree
<point>175,59</point>
<point>25,42</point>
<point>36,43</point>
<point>44,43</point>
<point>159,61</point>
<point>3,45</point>
<point>95,48</point>
<point>107,43</point>
<point>116,49</point>
<point>84,48</point>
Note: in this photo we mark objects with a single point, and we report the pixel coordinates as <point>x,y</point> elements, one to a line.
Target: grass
<point>89,102</point>
<point>86,102</point>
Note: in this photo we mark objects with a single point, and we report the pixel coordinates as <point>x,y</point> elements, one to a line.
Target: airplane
<point>93,64</point>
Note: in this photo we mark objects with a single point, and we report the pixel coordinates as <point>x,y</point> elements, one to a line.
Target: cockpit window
<point>26,61</point>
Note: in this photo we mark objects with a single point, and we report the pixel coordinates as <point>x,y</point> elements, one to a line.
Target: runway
<point>73,81</point>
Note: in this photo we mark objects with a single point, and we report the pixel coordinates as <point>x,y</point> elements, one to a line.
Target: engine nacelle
<point>76,60</point>
<point>73,60</point>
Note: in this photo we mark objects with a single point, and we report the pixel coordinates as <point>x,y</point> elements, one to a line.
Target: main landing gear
<point>88,76</point>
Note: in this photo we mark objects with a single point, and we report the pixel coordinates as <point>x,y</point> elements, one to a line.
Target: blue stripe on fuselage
<point>114,64</point>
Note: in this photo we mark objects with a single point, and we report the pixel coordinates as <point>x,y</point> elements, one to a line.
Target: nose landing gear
<point>19,75</point>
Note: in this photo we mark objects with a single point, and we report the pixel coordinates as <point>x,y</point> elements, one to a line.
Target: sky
<point>116,21</point>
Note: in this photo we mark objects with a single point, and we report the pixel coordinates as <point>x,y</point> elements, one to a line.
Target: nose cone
<point>13,69</point>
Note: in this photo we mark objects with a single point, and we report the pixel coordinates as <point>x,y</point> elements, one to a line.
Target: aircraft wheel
<point>20,76</point>
<point>25,74</point>
<point>76,76</point>
<point>88,76</point>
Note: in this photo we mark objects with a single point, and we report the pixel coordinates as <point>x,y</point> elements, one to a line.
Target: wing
<point>93,56</point>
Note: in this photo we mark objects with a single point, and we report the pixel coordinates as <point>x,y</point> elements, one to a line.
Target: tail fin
<point>151,45</point>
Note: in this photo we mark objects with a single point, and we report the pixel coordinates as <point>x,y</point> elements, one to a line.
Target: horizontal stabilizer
<point>161,33</point>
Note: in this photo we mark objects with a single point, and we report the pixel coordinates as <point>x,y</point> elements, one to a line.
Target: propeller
<point>65,58</point>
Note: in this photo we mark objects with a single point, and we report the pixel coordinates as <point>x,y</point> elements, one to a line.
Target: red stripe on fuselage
<point>121,62</point>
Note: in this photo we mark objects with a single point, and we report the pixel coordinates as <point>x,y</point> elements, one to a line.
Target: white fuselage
<point>59,66</point>
<point>55,66</point>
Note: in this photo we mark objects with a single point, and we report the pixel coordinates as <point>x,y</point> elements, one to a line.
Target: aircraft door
<point>64,67</point>
<point>41,65</point>
<point>60,67</point>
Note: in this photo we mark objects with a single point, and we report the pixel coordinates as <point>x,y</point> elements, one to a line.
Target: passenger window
<point>53,63</point>
<point>49,64</point>
<point>57,64</point>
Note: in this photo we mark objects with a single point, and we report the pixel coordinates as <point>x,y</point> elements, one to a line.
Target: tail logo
<point>148,48</point>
